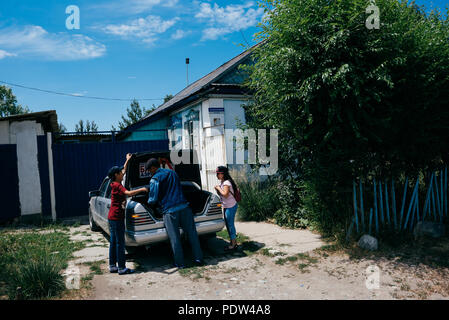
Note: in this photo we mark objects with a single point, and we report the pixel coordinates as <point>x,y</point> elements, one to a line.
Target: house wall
<point>24,135</point>
<point>160,124</point>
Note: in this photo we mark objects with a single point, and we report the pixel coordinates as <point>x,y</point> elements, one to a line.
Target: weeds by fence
<point>381,194</point>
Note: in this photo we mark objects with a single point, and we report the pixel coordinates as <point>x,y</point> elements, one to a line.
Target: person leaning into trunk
<point>165,191</point>
<point>226,190</point>
<point>116,218</point>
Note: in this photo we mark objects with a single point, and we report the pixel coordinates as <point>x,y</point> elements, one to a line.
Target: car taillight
<point>214,209</point>
<point>138,219</point>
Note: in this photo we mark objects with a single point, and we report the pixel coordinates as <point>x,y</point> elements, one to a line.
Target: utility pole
<point>187,65</point>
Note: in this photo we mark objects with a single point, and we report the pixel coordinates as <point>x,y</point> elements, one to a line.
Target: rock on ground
<point>368,242</point>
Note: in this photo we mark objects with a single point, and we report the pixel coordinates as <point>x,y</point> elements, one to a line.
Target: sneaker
<point>113,269</point>
<point>125,271</point>
<point>179,266</point>
<point>200,263</point>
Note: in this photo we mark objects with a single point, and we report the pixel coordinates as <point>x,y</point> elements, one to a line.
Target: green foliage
<point>33,261</point>
<point>39,278</point>
<point>349,101</point>
<point>136,113</point>
<point>61,128</point>
<point>8,103</point>
<point>259,198</point>
<point>86,127</point>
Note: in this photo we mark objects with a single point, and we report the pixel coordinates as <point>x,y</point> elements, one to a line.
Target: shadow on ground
<point>158,257</point>
<point>403,249</point>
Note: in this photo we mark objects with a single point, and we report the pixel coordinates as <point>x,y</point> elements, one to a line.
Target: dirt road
<point>275,263</point>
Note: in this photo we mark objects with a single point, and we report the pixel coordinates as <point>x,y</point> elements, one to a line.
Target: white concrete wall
<point>24,135</point>
<point>4,132</point>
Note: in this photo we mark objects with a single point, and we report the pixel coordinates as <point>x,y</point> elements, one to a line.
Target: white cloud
<point>145,29</point>
<point>34,41</point>
<point>225,20</point>
<point>5,54</point>
<point>134,6</point>
<point>179,34</point>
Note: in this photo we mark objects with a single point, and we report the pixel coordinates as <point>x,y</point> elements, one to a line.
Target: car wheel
<point>92,224</point>
<point>207,237</point>
<point>131,250</point>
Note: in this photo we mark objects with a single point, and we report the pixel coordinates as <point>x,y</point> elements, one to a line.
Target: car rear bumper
<point>140,238</point>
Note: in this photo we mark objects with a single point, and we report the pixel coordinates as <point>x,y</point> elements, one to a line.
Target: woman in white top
<point>226,192</point>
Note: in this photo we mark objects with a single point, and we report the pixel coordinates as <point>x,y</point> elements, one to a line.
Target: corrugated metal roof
<point>48,118</point>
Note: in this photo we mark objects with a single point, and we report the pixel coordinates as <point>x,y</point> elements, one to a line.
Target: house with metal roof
<point>197,116</point>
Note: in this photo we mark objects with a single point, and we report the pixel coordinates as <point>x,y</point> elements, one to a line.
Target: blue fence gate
<point>81,167</point>
<point>9,197</point>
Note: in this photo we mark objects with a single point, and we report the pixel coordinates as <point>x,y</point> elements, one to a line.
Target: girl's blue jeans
<point>230,217</point>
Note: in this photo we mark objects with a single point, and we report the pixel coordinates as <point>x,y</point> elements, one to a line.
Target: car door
<point>102,210</point>
<point>107,201</point>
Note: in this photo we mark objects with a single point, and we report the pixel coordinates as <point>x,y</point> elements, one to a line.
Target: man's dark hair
<point>152,163</point>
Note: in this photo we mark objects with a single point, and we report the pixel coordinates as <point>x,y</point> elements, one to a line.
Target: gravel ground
<point>275,263</point>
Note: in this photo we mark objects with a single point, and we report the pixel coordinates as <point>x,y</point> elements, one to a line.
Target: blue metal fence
<point>81,167</point>
<point>42,159</point>
<point>9,197</point>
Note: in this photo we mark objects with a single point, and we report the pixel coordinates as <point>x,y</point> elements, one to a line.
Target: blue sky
<point>123,49</point>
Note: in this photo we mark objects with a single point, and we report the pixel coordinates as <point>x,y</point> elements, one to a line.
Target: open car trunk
<point>189,174</point>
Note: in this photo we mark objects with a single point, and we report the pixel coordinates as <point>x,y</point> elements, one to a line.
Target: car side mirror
<point>95,193</point>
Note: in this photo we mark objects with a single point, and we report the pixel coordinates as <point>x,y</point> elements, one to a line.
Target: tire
<point>206,237</point>
<point>132,250</point>
<point>92,224</point>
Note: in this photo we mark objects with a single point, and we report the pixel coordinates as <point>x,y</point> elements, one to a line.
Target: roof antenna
<point>187,65</point>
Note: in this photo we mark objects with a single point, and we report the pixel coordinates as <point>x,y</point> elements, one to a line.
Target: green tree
<point>136,113</point>
<point>86,127</point>
<point>350,101</point>
<point>8,103</point>
<point>61,128</point>
<point>167,98</point>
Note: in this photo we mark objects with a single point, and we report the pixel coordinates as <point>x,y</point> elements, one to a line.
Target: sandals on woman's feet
<point>125,271</point>
<point>227,248</point>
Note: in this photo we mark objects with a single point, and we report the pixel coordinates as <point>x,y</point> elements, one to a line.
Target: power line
<point>241,32</point>
<point>74,95</point>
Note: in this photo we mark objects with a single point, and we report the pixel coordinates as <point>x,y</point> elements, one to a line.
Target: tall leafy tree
<point>86,127</point>
<point>135,113</point>
<point>8,103</point>
<point>350,101</point>
<point>61,128</point>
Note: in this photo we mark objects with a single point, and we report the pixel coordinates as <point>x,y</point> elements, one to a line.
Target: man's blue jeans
<point>117,243</point>
<point>184,219</point>
<point>230,217</point>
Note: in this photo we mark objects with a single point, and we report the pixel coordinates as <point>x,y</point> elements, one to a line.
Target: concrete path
<point>289,241</point>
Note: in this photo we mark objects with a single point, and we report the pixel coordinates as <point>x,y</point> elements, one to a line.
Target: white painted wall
<point>4,132</point>
<point>24,135</point>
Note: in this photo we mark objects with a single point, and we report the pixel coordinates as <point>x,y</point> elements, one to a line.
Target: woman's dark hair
<point>227,176</point>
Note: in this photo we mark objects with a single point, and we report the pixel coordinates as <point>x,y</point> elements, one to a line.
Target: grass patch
<point>33,261</point>
<point>246,245</point>
<point>303,267</point>
<point>194,273</point>
<point>94,266</point>
<point>241,238</point>
<point>300,256</point>
<point>231,270</point>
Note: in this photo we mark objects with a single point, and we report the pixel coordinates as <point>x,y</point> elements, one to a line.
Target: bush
<point>292,212</point>
<point>33,261</point>
<point>259,198</point>
<point>349,101</point>
<point>39,278</point>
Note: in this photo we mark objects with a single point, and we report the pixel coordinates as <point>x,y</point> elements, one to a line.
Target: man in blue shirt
<point>165,191</point>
